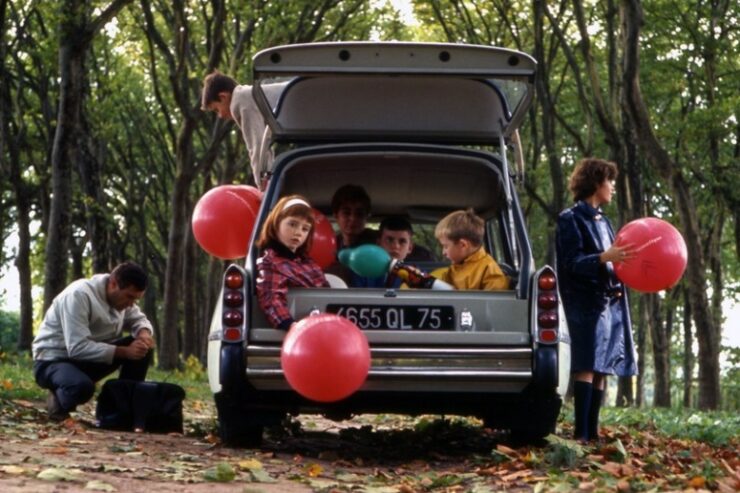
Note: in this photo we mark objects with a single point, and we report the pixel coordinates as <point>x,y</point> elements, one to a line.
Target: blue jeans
<point>73,382</point>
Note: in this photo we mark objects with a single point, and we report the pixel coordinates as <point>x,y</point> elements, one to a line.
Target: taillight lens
<point>233,298</point>
<point>234,280</point>
<point>547,319</point>
<point>547,307</point>
<point>233,318</point>
<point>547,281</point>
<point>547,301</point>
<point>232,334</point>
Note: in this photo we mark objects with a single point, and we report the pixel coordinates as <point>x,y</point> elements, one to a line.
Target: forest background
<point>104,150</point>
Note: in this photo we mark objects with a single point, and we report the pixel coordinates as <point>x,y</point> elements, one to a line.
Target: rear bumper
<point>417,369</point>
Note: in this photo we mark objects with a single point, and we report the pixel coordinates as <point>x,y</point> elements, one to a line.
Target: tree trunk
<point>688,352</point>
<point>707,331</point>
<point>191,339</point>
<point>64,153</point>
<point>661,352</point>
<point>77,31</point>
<point>641,345</point>
<point>11,168</point>
<point>168,348</point>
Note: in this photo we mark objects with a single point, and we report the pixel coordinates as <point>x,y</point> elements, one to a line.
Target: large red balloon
<point>325,357</point>
<point>324,246</point>
<point>223,220</point>
<point>660,258</point>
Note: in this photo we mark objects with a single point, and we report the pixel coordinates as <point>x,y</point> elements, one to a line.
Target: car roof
<point>423,92</point>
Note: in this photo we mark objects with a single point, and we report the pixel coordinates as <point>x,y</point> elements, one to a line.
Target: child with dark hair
<point>351,207</point>
<point>285,241</point>
<point>395,237</point>
<point>232,101</point>
<point>595,302</point>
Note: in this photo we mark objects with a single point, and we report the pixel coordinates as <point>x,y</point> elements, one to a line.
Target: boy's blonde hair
<point>461,225</point>
<point>297,208</point>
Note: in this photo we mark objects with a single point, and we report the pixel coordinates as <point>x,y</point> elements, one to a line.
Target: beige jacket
<point>80,323</point>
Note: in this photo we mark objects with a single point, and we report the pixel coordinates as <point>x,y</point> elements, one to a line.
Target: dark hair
<point>130,274</point>
<point>395,223</point>
<point>588,175</point>
<point>463,224</point>
<point>350,193</point>
<point>214,84</point>
<point>278,213</point>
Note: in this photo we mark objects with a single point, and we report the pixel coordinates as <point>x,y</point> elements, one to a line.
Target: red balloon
<point>660,258</point>
<point>325,357</point>
<point>324,246</point>
<point>223,220</point>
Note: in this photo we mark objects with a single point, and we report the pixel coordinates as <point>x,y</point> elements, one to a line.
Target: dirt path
<point>369,454</point>
<point>375,454</point>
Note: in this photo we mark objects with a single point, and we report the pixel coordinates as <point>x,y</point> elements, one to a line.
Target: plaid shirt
<point>277,270</point>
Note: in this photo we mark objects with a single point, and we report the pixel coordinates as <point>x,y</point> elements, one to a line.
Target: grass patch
<point>17,382</point>
<point>717,428</point>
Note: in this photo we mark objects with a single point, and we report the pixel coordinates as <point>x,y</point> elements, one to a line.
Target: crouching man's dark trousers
<point>73,382</point>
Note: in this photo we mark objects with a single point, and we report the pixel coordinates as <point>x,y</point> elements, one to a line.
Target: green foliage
<point>714,428</point>
<point>9,327</point>
<point>16,377</point>
<point>563,452</point>
<point>731,379</point>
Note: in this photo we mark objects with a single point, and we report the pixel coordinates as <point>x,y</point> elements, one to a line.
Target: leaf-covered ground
<point>374,454</point>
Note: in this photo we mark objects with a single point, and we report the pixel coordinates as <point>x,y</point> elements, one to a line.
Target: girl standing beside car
<point>595,302</point>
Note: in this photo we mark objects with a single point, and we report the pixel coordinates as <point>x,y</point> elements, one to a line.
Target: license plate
<point>398,317</point>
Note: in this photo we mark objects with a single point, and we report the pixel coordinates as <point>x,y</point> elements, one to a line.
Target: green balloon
<point>344,255</point>
<point>369,261</point>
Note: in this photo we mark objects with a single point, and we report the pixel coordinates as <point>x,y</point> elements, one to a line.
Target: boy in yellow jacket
<point>461,235</point>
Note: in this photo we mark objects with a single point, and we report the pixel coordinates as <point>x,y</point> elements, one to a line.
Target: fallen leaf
<point>313,470</point>
<point>613,468</point>
<point>97,485</point>
<point>222,473</point>
<point>517,475</point>
<point>261,476</point>
<point>698,482</point>
<point>623,485</point>
<point>250,464</point>
<point>12,470</point>
<point>57,474</point>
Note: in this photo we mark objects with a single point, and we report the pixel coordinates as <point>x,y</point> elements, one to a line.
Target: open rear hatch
<point>422,92</point>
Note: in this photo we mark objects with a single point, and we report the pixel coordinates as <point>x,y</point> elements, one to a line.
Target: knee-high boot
<point>582,395</point>
<point>597,395</point>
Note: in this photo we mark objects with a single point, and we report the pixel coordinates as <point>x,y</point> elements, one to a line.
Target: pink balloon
<point>325,357</point>
<point>223,220</point>
<point>661,255</point>
<point>324,246</point>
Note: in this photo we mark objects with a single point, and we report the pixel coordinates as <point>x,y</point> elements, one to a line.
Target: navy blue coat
<point>595,302</point>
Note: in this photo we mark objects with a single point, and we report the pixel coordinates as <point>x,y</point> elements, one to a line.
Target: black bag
<point>150,406</point>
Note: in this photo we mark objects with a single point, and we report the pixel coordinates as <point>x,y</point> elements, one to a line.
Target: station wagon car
<point>426,129</point>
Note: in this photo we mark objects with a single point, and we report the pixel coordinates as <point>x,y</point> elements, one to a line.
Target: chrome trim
<point>410,374</point>
<point>428,352</point>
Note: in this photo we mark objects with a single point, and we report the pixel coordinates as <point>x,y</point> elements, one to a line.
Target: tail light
<point>547,307</point>
<point>233,303</point>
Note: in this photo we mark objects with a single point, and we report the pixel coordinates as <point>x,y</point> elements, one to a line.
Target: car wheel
<point>234,427</point>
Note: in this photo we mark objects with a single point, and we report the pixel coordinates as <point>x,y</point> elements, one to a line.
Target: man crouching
<point>80,339</point>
